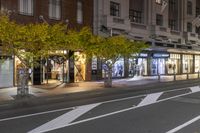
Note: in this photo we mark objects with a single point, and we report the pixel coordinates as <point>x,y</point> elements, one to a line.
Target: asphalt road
<point>160,112</point>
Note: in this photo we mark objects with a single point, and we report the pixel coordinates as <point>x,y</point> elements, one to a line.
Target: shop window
<point>117,69</point>
<point>6,72</point>
<point>187,63</point>
<point>197,63</point>
<point>79,67</point>
<point>173,64</point>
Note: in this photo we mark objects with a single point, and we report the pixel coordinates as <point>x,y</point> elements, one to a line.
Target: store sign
<point>161,55</point>
<point>143,55</point>
<point>94,63</point>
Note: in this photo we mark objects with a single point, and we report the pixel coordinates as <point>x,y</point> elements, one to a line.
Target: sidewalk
<point>57,88</point>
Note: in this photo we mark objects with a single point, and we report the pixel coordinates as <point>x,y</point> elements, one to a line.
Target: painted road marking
<point>35,114</point>
<point>65,109</point>
<point>109,101</point>
<point>195,89</point>
<point>150,99</point>
<point>184,125</point>
<point>124,110</point>
<point>60,123</point>
<point>65,119</point>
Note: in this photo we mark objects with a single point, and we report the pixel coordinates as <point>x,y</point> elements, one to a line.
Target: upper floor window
<point>159,19</point>
<point>114,9</point>
<point>135,16</point>
<point>197,11</point>
<point>189,7</point>
<point>189,27</point>
<point>79,11</point>
<point>159,1</point>
<point>198,30</point>
<point>55,9</point>
<point>26,7</point>
<point>172,24</point>
<point>172,5</point>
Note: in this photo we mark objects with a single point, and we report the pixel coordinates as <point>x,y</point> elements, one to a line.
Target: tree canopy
<point>31,42</point>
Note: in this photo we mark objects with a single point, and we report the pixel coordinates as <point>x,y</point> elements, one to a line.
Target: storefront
<point>57,68</point>
<point>6,72</point>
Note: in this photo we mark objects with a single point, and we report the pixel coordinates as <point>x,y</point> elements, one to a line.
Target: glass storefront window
<point>173,64</point>
<point>197,63</point>
<point>117,69</point>
<point>157,66</point>
<point>187,63</point>
<point>138,67</point>
<point>6,72</point>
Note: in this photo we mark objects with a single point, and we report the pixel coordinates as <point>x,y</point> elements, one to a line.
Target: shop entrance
<point>55,69</point>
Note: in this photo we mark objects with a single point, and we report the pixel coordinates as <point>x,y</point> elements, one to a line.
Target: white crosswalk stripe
<point>149,99</point>
<point>65,119</point>
<point>195,89</point>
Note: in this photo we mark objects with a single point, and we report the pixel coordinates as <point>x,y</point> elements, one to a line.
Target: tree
<point>30,43</point>
<point>111,49</point>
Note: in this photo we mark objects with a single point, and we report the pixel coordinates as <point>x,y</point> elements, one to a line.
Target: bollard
<point>174,76</point>
<point>187,75</point>
<point>158,77</point>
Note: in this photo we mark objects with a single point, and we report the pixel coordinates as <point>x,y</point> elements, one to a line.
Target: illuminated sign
<point>94,63</point>
<point>143,55</point>
<point>161,55</point>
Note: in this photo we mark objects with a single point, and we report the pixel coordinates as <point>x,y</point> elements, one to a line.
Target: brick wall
<point>41,7</point>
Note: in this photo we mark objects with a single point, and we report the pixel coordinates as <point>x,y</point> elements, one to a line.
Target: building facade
<point>75,13</point>
<point>166,25</point>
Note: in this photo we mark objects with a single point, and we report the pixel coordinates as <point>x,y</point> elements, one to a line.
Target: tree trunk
<point>22,87</point>
<point>108,79</point>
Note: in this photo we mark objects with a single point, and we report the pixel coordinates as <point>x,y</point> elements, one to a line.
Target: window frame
<point>53,14</point>
<point>81,10</point>
<point>172,5</point>
<point>135,16</point>
<point>159,19</point>
<point>115,12</point>
<point>189,27</point>
<point>23,8</point>
<point>172,24</point>
<point>189,7</point>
